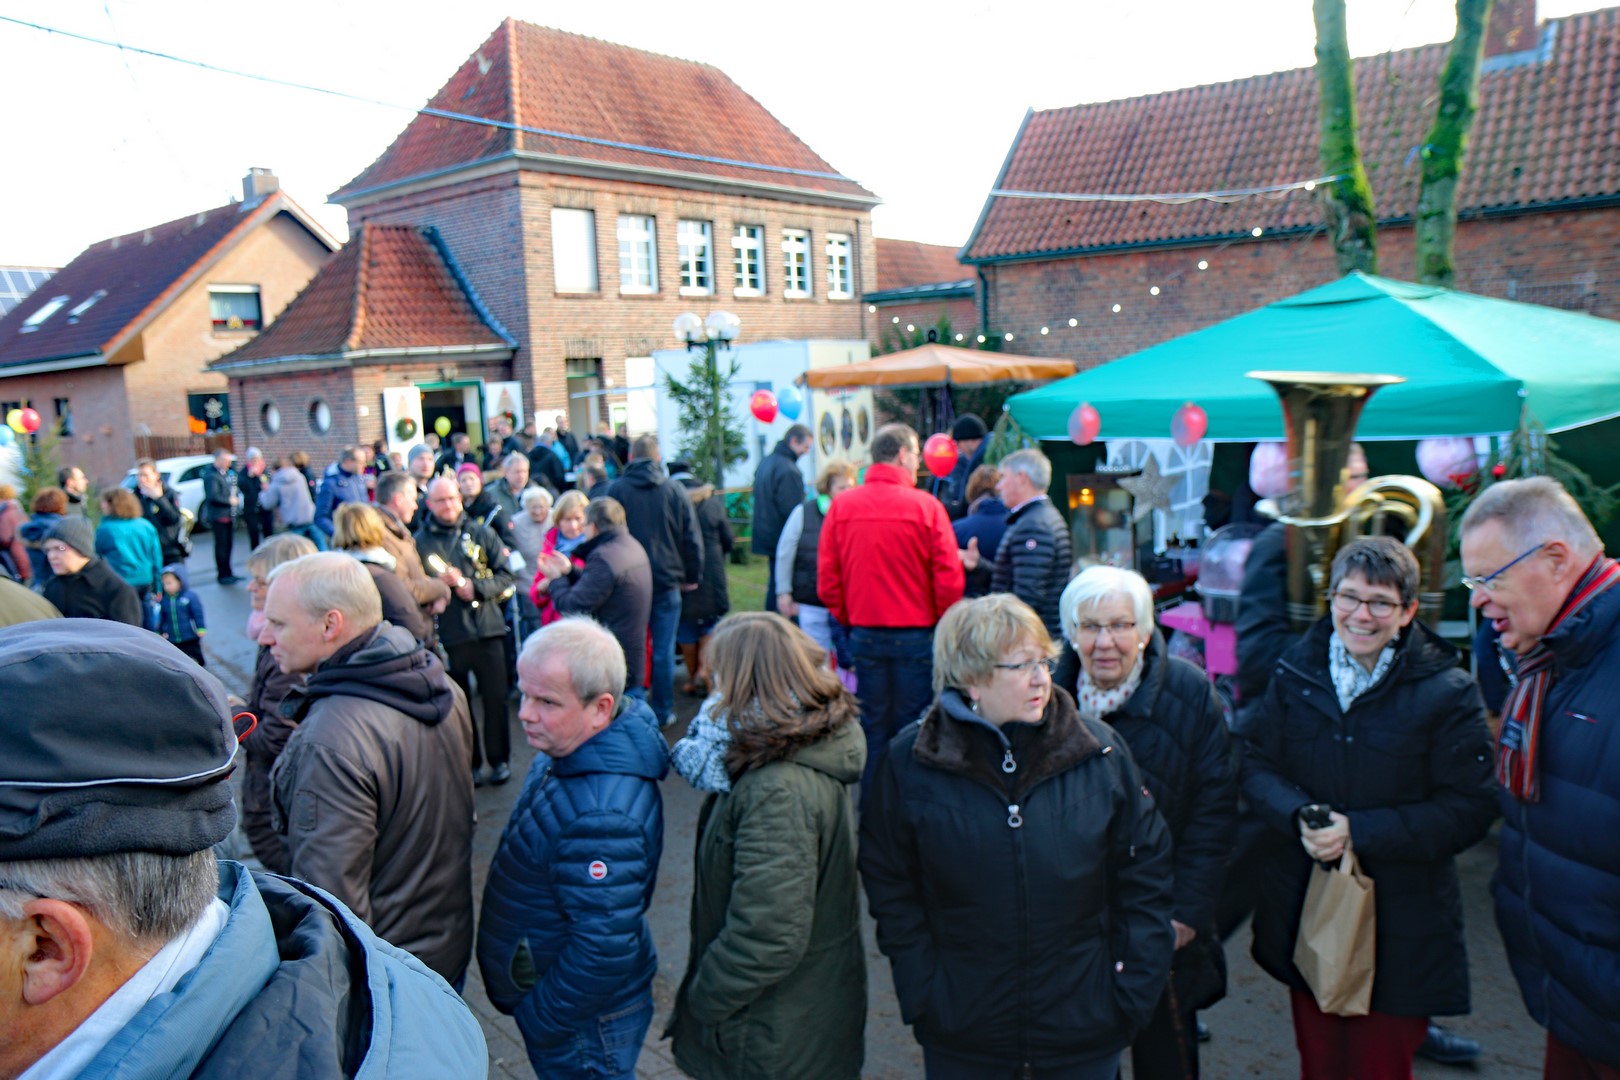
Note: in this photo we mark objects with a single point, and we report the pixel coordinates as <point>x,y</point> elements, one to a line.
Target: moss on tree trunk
<point>1347,201</point>
<point>1436,219</point>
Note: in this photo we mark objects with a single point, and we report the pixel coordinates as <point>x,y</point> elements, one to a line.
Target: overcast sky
<point>917,102</point>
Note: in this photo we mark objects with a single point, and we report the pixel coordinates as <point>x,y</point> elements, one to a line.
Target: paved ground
<point>1253,1037</point>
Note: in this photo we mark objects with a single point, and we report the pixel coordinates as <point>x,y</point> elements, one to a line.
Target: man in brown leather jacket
<point>373,790</point>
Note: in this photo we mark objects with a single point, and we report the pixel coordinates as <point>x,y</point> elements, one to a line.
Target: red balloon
<point>763,406</point>
<point>1084,423</point>
<point>940,454</point>
<point>30,420</point>
<point>1189,425</point>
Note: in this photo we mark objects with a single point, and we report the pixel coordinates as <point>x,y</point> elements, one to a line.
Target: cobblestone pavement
<point>1252,1033</point>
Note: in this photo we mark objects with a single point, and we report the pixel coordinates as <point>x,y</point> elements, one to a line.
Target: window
<point>795,263</point>
<point>64,417</point>
<point>838,277</point>
<point>211,409</point>
<point>51,307</point>
<point>269,418</point>
<point>748,241</point>
<point>320,417</point>
<point>234,307</point>
<point>573,250</point>
<point>638,254</point>
<point>696,242</point>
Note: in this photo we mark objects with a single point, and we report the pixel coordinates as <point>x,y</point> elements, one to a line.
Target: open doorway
<point>460,403</point>
<point>584,396</point>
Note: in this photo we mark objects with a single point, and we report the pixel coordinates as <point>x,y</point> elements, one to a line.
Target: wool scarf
<point>1096,703</point>
<point>1520,740</point>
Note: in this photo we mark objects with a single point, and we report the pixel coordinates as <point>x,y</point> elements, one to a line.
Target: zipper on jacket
<point>1025,1007</point>
<point>1008,765</point>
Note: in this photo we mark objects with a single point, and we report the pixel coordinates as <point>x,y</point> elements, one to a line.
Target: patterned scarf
<point>1350,679</point>
<point>1096,703</point>
<point>1520,740</point>
<point>701,755</point>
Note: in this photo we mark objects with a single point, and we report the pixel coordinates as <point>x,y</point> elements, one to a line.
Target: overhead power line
<point>1177,198</point>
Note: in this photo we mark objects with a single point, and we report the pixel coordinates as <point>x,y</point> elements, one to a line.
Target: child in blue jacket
<point>180,614</point>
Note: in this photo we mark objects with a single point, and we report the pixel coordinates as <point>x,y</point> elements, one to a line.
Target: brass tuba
<point>1320,411</point>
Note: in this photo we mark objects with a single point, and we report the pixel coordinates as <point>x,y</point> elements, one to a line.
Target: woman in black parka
<point>1370,715</point>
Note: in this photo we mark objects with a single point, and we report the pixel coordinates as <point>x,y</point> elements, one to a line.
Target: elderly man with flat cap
<point>126,949</point>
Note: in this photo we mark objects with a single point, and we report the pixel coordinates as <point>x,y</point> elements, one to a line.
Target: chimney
<point>1512,27</point>
<point>258,183</point>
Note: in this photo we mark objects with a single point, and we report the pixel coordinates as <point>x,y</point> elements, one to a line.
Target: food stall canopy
<point>1472,364</point>
<point>939,365</point>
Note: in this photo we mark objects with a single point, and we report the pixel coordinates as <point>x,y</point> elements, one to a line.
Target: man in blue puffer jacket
<point>344,482</point>
<point>114,907</point>
<point>563,941</point>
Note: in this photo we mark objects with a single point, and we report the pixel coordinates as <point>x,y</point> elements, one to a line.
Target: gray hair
<point>140,896</point>
<point>254,453</point>
<point>533,495</point>
<point>278,549</point>
<point>1095,584</point>
<point>1534,510</point>
<point>590,652</point>
<point>1031,464</point>
<point>332,581</point>
<point>513,457</point>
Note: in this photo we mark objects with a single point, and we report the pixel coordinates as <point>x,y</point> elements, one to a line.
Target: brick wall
<point>1563,259</point>
<point>963,313</point>
<point>294,394</point>
<point>102,435</point>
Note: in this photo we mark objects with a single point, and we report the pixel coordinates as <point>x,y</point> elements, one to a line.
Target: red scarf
<point>1520,740</point>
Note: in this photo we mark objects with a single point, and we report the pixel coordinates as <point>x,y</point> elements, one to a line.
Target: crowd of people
<point>1041,805</point>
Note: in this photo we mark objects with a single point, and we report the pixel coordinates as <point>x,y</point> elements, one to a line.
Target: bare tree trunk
<point>1436,222</point>
<point>1348,201</point>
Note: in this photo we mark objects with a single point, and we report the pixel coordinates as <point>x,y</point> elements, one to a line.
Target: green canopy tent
<point>1472,365</point>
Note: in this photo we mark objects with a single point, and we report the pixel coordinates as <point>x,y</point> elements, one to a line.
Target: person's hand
<point>555,565</point>
<point>234,702</point>
<point>688,588</point>
<point>439,605</point>
<point>970,554</point>
<point>786,605</point>
<point>1326,845</point>
<point>1184,933</point>
<point>151,491</point>
<point>542,584</point>
<point>465,590</point>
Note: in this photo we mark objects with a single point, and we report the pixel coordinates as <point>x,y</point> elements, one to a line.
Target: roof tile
<point>902,264</point>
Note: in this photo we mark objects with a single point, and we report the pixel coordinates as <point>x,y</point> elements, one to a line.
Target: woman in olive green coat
<point>775,985</point>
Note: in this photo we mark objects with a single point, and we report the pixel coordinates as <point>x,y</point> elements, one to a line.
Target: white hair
<point>333,581</point>
<point>1534,510</point>
<point>590,652</point>
<point>1031,464</point>
<point>533,495</point>
<point>140,896</point>
<point>1094,585</point>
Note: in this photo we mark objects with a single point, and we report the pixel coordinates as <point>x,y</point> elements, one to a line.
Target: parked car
<point>184,475</point>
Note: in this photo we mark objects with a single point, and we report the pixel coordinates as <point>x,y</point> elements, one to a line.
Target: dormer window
<point>51,307</point>
<point>85,305</point>
<point>233,308</point>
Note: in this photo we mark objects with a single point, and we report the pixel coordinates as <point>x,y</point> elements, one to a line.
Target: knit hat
<point>125,744</point>
<point>417,451</point>
<point>968,426</point>
<point>468,466</point>
<point>76,533</point>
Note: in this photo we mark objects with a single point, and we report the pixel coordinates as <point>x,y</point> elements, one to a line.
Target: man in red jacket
<point>887,567</point>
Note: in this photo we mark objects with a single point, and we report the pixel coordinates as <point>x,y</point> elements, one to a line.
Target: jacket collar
<point>882,472</point>
<point>632,745</point>
<point>951,745</point>
<point>1584,634</point>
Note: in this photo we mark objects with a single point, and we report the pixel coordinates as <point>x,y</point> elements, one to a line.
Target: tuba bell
<point>1320,411</point>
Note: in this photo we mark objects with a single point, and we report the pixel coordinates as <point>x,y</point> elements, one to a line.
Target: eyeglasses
<point>1114,630</point>
<point>1347,603</point>
<point>1047,664</point>
<point>56,549</point>
<point>1472,583</point>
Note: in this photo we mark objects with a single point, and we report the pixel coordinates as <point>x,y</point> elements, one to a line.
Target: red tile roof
<point>140,272</point>
<point>390,287</point>
<point>1545,133</point>
<point>535,77</point>
<point>902,264</point>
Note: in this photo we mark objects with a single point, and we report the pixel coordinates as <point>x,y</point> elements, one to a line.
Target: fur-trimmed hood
<point>828,740</point>
<point>1061,741</point>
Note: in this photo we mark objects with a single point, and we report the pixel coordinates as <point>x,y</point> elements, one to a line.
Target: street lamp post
<point>716,332</point>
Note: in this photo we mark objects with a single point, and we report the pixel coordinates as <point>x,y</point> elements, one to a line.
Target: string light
<point>1045,330</point>
<point>981,339</point>
<point>1074,322</point>
<point>1256,231</point>
<point>1203,264</point>
<point>1153,291</point>
<point>871,309</point>
<point>1174,198</point>
<point>895,320</point>
<point>1115,309</point>
<point>959,337</point>
<point>1008,336</point>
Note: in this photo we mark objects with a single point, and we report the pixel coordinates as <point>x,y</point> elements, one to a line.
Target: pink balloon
<point>1084,423</point>
<point>1439,460</point>
<point>763,405</point>
<point>1189,425</point>
<point>30,421</point>
<point>1268,470</point>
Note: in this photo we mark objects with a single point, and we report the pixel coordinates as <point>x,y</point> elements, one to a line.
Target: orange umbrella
<point>939,365</point>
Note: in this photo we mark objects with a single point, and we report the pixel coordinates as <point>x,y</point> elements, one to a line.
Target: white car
<point>184,475</point>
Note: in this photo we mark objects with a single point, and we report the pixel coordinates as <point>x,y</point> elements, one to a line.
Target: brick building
<point>1539,197</point>
<point>918,285</point>
<point>116,344</point>
<point>612,190</point>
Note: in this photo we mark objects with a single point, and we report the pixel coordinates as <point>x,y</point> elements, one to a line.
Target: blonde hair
<point>770,673</point>
<point>357,526</point>
<point>567,503</point>
<point>831,471</point>
<point>974,635</point>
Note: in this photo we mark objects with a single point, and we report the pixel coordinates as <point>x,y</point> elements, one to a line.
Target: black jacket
<point>1264,632</point>
<point>615,588</point>
<point>1026,914</point>
<point>547,468</point>
<point>164,514</point>
<point>712,598</point>
<point>217,490</point>
<point>660,517</point>
<point>805,586</point>
<point>778,488</point>
<point>477,552</point>
<point>1033,560</point>
<point>96,592</point>
<point>1410,765</point>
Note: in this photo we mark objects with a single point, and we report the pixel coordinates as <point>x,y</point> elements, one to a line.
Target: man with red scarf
<point>1538,572</point>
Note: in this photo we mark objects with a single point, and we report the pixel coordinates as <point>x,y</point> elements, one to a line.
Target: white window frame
<point>840,266</point>
<point>638,251</point>
<point>748,241</point>
<point>796,264</point>
<point>238,290</point>
<point>694,246</point>
<point>1190,466</point>
<point>46,310</point>
<point>573,251</point>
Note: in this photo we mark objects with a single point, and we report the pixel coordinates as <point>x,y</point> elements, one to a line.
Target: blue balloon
<point>7,437</point>
<point>788,401</point>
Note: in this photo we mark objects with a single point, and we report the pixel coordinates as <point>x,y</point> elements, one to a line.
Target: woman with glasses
<point>1370,717</point>
<point>1015,864</point>
<point>1167,713</point>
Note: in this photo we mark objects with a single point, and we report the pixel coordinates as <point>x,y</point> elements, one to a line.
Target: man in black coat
<point>1034,557</point>
<point>454,456</point>
<point>85,587</point>
<point>778,488</point>
<point>615,587</point>
<point>221,504</point>
<point>659,515</point>
<point>970,435</point>
<point>545,466</point>
<point>161,506</point>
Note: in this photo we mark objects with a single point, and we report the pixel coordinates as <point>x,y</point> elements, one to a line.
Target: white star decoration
<point>1150,491</point>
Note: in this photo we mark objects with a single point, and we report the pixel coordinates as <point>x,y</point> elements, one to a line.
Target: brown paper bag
<point>1338,931</point>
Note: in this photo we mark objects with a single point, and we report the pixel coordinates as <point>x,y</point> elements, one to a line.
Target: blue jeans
<point>666,616</point>
<point>603,1049</point>
<point>894,675</point>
